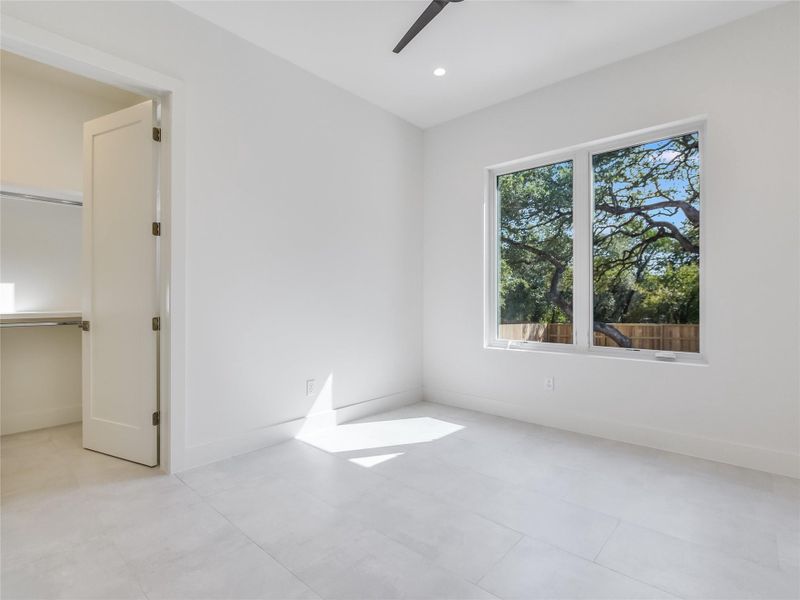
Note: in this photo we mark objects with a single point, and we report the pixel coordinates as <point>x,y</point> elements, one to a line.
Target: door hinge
<point>156,323</point>
<point>156,228</point>
<point>85,325</point>
<point>156,418</point>
<point>157,134</point>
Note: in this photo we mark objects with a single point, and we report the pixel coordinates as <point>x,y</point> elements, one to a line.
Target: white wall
<point>743,406</point>
<point>304,226</point>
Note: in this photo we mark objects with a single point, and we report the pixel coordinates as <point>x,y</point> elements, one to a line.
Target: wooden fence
<point>650,336</point>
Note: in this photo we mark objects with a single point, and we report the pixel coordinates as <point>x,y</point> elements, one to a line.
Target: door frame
<point>41,45</point>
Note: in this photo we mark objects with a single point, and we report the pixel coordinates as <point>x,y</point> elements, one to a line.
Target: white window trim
<point>583,211</point>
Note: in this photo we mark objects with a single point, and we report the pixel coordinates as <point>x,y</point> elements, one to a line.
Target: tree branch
<point>620,339</point>
<point>692,214</point>
<point>562,303</point>
<point>536,251</point>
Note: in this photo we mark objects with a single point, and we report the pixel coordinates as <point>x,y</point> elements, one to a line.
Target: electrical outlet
<point>310,387</point>
<point>550,384</point>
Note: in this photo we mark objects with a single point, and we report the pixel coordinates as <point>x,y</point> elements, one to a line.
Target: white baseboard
<point>262,437</point>
<point>39,419</point>
<point>352,412</point>
<point>742,455</point>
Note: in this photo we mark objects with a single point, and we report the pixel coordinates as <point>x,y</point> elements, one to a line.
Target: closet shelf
<point>22,193</point>
<point>40,319</point>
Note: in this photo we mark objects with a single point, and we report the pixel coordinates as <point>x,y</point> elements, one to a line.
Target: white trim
<point>52,49</point>
<point>583,211</point>
<point>491,248</point>
<point>276,433</point>
<point>742,455</point>
<point>38,44</point>
<point>582,253</point>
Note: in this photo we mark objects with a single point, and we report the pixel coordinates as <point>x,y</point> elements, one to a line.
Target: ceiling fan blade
<point>433,9</point>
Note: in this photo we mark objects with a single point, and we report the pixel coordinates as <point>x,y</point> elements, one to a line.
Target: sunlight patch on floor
<point>371,461</point>
<point>379,434</point>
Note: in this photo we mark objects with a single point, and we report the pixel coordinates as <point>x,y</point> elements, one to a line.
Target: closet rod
<point>38,198</point>
<point>41,323</point>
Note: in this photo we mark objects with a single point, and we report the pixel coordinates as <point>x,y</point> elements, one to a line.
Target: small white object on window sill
<point>666,356</point>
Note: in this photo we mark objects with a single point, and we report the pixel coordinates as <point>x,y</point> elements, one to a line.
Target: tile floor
<point>422,502</point>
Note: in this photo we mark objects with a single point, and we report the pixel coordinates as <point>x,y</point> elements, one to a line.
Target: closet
<point>79,333</point>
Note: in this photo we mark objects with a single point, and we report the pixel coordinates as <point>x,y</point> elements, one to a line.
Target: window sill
<point>681,358</point>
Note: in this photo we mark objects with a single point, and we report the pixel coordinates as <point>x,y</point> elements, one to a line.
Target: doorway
<point>80,264</point>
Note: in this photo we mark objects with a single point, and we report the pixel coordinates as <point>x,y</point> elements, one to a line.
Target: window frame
<point>583,245</point>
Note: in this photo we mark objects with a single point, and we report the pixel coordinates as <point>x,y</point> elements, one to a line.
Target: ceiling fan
<point>433,9</point>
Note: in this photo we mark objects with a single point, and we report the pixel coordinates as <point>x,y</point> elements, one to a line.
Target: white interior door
<point>120,295</point>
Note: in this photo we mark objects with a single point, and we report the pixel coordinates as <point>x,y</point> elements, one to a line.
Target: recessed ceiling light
<point>439,71</point>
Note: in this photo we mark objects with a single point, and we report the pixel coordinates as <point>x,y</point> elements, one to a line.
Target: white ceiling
<point>492,50</point>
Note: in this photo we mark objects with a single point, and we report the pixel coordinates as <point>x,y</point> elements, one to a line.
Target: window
<point>598,248</point>
<point>646,245</point>
<point>535,207</point>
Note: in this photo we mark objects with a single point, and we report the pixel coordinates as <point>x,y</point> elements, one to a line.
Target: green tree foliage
<point>646,232</point>
<point>536,244</point>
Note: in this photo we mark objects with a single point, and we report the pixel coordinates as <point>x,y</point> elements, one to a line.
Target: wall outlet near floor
<point>550,384</point>
<point>310,387</point>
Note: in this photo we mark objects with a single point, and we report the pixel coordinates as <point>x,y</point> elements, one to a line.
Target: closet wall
<point>42,111</point>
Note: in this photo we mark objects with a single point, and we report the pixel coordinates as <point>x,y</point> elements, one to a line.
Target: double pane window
<point>599,249</point>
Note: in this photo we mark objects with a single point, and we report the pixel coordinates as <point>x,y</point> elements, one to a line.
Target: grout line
<point>637,580</point>
<point>647,583</point>
<point>128,566</point>
<point>670,593</point>
<point>256,544</point>
<point>610,535</point>
<point>498,561</point>
<point>480,587</point>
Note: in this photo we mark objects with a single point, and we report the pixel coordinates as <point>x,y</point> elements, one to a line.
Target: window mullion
<point>582,251</point>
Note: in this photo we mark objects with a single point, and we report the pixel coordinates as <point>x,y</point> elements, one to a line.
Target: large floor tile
<point>458,540</point>
<point>93,570</point>
<point>170,535</point>
<point>729,526</point>
<point>690,570</point>
<point>251,468</point>
<point>537,570</point>
<point>393,571</point>
<point>717,471</point>
<point>232,569</point>
<point>276,514</point>
<point>320,559</point>
<point>354,561</point>
<point>36,525</point>
<point>574,528</point>
<point>508,467</point>
<point>35,469</point>
<point>336,482</point>
<point>428,474</point>
<point>730,534</point>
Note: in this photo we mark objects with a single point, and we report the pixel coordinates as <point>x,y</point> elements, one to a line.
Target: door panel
<point>120,285</point>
